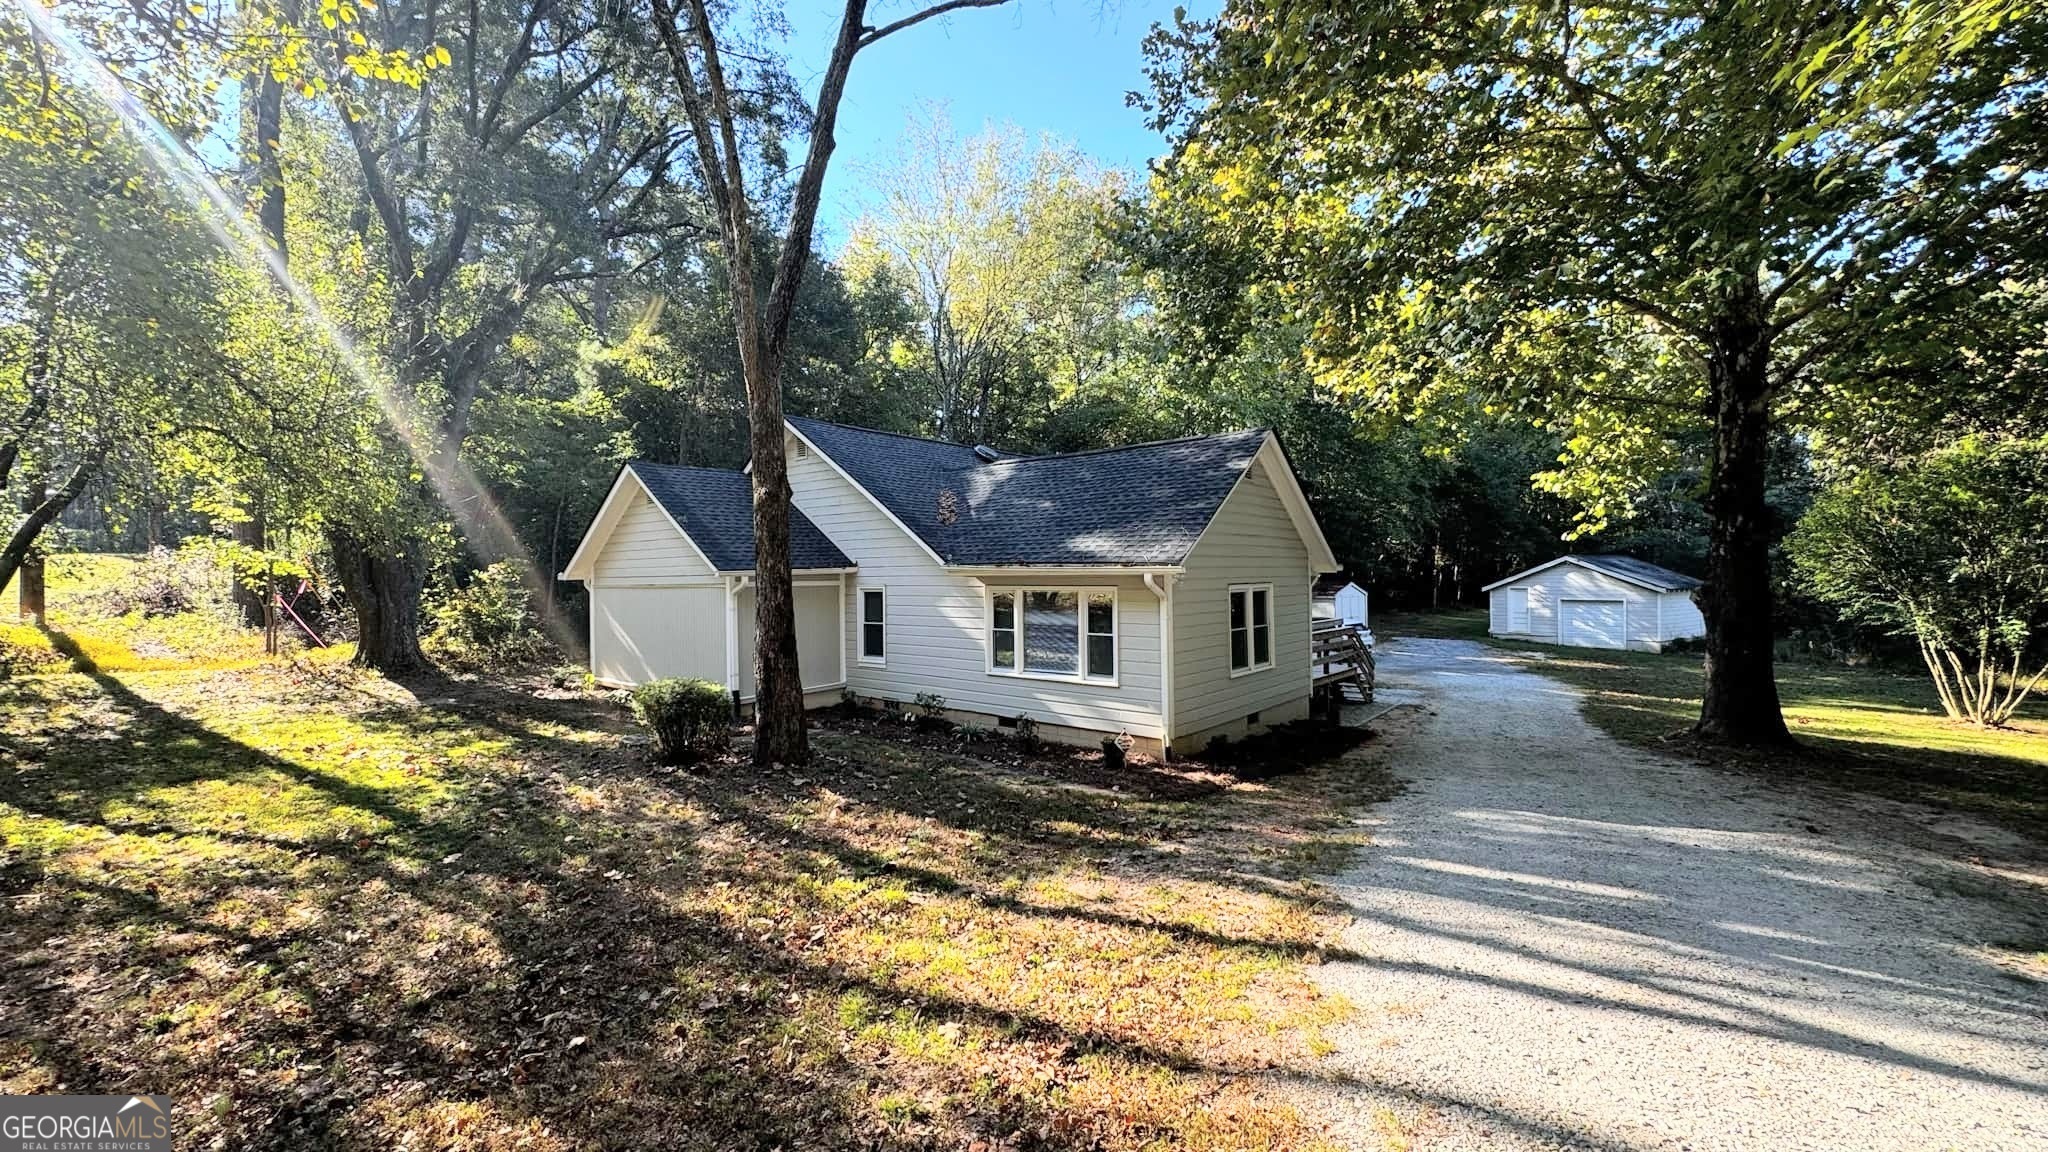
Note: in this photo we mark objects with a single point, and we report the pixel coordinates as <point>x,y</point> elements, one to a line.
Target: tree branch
<point>870,35</point>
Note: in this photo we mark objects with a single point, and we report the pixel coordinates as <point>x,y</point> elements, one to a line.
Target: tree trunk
<point>1741,701</point>
<point>20,549</point>
<point>780,735</point>
<point>250,600</point>
<point>33,604</point>
<point>383,586</point>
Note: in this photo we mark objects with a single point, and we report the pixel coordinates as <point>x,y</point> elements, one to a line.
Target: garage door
<point>820,637</point>
<point>642,633</point>
<point>1592,623</point>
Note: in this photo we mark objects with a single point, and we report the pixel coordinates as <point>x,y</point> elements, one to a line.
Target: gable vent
<point>803,450</point>
<point>986,454</point>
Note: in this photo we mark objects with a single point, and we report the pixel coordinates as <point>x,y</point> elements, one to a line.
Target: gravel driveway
<point>1565,943</point>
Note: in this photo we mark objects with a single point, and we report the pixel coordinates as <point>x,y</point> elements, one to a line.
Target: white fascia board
<point>1321,558</point>
<point>1575,562</point>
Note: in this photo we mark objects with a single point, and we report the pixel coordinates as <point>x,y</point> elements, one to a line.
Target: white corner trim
<point>1164,590</point>
<point>821,454</point>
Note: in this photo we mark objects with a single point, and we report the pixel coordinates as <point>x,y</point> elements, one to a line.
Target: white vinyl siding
<point>938,632</point>
<point>1251,541</point>
<point>645,546</point>
<point>656,609</point>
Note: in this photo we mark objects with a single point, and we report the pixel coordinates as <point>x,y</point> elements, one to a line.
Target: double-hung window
<point>874,625</point>
<point>1056,633</point>
<point>1251,627</point>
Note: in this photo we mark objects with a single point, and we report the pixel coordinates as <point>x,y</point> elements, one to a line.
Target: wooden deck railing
<point>1339,655</point>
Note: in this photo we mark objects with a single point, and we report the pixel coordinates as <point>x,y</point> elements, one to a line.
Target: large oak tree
<point>1626,220</point>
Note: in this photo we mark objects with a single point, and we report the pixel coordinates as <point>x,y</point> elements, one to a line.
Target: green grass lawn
<point>326,910</point>
<point>1873,730</point>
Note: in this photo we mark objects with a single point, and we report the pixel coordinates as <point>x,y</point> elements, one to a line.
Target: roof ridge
<point>1132,447</point>
<point>683,467</point>
<point>902,436</point>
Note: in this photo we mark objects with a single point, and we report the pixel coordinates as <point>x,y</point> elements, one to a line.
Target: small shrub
<point>689,719</point>
<point>572,676</point>
<point>165,583</point>
<point>487,623</point>
<point>931,711</point>
<point>1686,646</point>
<point>1027,734</point>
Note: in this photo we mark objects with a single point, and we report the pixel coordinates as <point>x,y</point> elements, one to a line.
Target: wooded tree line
<point>1647,277</point>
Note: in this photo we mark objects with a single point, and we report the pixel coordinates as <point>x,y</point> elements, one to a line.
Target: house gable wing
<point>618,501</point>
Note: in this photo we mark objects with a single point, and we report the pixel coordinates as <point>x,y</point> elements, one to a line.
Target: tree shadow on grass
<point>539,952</point>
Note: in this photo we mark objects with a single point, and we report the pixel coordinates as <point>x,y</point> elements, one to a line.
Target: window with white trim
<point>1251,627</point>
<point>1053,633</point>
<point>874,624</point>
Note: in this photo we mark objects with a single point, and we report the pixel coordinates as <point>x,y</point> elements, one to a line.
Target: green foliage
<point>1019,308</point>
<point>1952,550</point>
<point>1558,210</point>
<point>689,719</point>
<point>487,623</point>
<point>930,706</point>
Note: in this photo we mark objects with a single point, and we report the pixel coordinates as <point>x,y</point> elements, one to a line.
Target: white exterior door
<point>1592,623</point>
<point>1518,609</point>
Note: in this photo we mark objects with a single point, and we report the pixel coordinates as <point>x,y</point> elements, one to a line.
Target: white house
<point>1596,602</point>
<point>1340,600</point>
<point>1160,591</point>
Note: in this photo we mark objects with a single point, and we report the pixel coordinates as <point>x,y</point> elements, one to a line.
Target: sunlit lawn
<point>324,910</point>
<point>1872,729</point>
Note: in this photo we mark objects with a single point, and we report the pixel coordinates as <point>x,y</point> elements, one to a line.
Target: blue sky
<point>1060,67</point>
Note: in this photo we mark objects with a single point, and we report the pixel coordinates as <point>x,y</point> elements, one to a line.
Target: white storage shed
<point>1596,602</point>
<point>1342,601</point>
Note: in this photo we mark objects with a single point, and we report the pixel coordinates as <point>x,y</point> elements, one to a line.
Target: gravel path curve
<point>1565,943</point>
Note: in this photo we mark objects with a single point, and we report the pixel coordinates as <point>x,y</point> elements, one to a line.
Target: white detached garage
<point>1596,602</point>
<point>669,563</point>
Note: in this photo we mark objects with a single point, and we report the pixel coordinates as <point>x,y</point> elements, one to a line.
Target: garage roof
<point>1627,569</point>
<point>715,509</point>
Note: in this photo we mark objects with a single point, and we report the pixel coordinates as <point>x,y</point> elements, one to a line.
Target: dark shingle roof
<point>1146,504</point>
<point>716,508</point>
<point>1642,572</point>
<point>1331,583</point>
